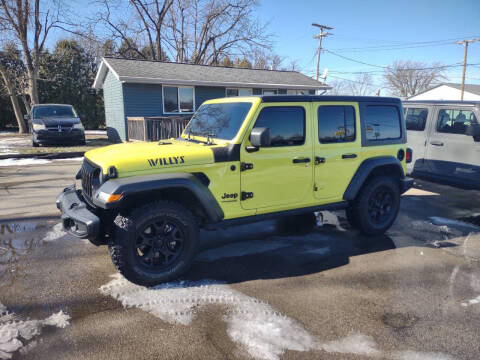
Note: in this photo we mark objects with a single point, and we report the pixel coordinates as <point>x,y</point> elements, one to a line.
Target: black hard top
<point>315,98</point>
<point>443,102</point>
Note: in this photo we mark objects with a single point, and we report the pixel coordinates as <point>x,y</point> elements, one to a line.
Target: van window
<point>382,123</point>
<point>416,118</point>
<point>336,124</point>
<point>455,121</point>
<point>286,124</point>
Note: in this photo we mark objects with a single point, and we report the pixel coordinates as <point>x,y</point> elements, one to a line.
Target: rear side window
<point>336,124</point>
<point>382,123</point>
<point>286,124</point>
<point>455,121</point>
<point>416,118</point>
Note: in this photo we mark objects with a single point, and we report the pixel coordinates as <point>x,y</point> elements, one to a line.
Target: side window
<point>336,124</point>
<point>286,124</point>
<point>416,118</point>
<point>455,121</point>
<point>382,123</point>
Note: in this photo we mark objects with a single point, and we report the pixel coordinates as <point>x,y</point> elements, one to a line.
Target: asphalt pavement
<point>253,292</point>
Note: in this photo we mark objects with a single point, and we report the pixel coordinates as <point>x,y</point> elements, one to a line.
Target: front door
<point>450,153</point>
<point>338,147</point>
<point>281,174</point>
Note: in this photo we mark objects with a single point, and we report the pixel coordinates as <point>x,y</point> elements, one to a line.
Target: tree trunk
<point>22,127</point>
<point>32,87</point>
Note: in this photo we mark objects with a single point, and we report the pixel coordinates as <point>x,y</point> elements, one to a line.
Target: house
<point>140,88</point>
<point>449,91</point>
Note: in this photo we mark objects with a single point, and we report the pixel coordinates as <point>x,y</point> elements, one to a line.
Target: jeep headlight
<point>37,127</point>
<point>78,126</point>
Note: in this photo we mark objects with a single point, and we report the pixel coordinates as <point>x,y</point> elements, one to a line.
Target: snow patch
<point>354,343</point>
<point>15,333</point>
<point>96,132</point>
<point>263,332</point>
<point>415,355</point>
<point>440,221</point>
<point>71,159</point>
<point>23,162</point>
<point>56,233</point>
<point>472,301</point>
<point>240,249</point>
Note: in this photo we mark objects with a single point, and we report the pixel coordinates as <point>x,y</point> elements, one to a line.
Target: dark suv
<point>55,124</point>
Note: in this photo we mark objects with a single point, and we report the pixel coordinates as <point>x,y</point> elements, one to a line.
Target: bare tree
<point>361,86</point>
<point>339,87</point>
<point>30,23</point>
<point>12,73</point>
<point>408,78</point>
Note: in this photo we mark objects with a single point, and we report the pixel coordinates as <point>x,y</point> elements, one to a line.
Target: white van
<point>445,138</point>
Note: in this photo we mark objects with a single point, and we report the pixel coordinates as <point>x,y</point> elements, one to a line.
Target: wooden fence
<point>156,128</point>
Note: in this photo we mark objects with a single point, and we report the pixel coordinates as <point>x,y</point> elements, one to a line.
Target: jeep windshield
<point>221,121</point>
<point>54,111</point>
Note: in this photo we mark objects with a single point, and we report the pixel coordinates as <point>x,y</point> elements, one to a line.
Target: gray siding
<point>114,110</point>
<point>204,93</point>
<point>143,99</point>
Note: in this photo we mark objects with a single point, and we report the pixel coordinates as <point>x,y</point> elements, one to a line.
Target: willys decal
<point>171,160</point>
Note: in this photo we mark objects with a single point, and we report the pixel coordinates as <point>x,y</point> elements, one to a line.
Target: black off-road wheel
<point>154,243</point>
<point>376,207</point>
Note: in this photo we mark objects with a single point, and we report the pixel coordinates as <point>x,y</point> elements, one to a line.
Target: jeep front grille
<point>90,178</point>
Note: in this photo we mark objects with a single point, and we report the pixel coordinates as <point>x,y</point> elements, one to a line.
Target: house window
<point>269,91</point>
<point>297,92</point>
<point>238,92</point>
<point>177,99</point>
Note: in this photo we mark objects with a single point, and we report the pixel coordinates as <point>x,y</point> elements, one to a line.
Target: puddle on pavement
<point>474,219</point>
<point>17,240</point>
<point>399,320</point>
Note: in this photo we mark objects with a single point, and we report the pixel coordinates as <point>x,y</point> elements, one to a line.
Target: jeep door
<point>451,154</point>
<point>418,120</point>
<point>338,147</point>
<point>278,176</point>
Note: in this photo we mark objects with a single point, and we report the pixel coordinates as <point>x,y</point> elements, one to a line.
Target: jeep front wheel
<point>376,207</point>
<point>155,243</point>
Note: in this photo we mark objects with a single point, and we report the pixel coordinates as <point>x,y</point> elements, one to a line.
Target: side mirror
<point>260,137</point>
<point>473,130</point>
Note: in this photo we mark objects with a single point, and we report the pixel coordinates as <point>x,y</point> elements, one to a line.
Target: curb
<point>62,155</point>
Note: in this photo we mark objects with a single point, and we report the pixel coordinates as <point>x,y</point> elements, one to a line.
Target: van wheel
<point>376,207</point>
<point>155,243</point>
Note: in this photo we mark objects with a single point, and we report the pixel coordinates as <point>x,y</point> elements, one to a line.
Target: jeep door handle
<point>436,143</point>
<point>349,156</point>
<point>319,160</point>
<point>299,160</point>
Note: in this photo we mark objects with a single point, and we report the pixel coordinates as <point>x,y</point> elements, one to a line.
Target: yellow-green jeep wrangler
<point>240,160</point>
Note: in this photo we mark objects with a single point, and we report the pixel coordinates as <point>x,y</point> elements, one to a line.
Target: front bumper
<point>405,184</point>
<point>54,137</point>
<point>77,219</point>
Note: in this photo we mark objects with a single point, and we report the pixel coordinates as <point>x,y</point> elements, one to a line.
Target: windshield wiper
<point>210,137</point>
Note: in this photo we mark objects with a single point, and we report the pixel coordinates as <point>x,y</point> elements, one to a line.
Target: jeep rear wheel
<point>154,243</point>
<point>376,207</point>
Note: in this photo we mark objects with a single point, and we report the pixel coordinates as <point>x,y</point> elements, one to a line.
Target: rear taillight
<point>408,158</point>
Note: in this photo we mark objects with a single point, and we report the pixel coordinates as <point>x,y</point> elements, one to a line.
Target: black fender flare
<point>365,169</point>
<point>135,185</point>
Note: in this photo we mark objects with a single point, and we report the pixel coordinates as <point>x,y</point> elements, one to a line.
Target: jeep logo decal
<point>229,197</point>
<point>172,160</point>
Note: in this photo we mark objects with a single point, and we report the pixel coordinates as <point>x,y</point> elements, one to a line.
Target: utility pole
<point>320,36</point>
<point>465,43</point>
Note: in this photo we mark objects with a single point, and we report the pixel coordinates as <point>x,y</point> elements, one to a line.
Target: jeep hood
<point>148,156</point>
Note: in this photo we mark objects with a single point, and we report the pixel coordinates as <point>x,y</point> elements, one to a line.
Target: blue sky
<point>368,23</point>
